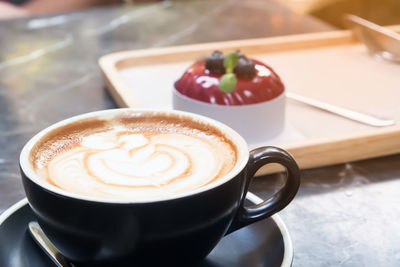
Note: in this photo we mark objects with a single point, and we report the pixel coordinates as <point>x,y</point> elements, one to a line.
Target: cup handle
<point>258,158</point>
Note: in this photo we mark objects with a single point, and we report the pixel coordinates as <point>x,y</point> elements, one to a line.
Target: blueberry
<point>240,54</point>
<point>245,68</point>
<point>215,63</point>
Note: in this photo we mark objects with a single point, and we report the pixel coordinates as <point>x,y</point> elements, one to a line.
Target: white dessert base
<point>255,122</point>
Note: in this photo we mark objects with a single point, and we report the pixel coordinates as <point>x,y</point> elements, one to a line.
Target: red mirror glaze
<point>198,83</point>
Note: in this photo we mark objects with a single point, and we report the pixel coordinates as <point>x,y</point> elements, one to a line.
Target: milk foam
<point>120,164</point>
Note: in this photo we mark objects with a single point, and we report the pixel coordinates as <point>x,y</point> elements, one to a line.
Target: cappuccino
<point>137,156</point>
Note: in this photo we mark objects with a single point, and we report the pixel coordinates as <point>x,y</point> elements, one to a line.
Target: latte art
<point>137,165</point>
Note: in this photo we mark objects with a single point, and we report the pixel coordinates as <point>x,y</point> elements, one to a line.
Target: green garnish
<point>228,81</point>
<point>231,61</point>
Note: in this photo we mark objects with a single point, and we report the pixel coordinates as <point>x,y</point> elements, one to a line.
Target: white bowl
<point>257,123</point>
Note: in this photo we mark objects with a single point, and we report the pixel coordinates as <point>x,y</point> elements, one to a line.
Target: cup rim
<point>237,140</point>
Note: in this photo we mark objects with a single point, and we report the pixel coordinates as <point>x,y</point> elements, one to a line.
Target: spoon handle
<point>366,24</point>
<point>45,244</point>
<point>344,112</point>
<point>381,42</point>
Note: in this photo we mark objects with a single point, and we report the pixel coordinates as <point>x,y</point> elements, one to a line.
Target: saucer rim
<point>288,252</point>
<point>287,241</point>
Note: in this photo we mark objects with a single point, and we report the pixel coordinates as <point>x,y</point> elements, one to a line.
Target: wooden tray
<point>330,66</point>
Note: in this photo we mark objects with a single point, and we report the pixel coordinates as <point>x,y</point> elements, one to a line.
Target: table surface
<point>343,215</point>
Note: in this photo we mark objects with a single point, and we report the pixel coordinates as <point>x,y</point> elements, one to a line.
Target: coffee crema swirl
<point>118,163</point>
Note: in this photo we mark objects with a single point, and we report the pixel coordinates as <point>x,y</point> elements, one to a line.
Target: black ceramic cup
<point>183,228</point>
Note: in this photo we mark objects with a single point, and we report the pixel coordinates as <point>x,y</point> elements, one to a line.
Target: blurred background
<point>383,12</point>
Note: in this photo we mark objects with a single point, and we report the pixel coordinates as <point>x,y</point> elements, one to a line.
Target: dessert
<point>208,80</point>
<point>243,93</point>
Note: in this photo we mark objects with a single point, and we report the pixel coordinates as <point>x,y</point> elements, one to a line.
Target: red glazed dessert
<point>245,94</point>
<point>202,84</point>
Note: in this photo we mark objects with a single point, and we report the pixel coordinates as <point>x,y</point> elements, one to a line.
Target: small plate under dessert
<point>265,243</point>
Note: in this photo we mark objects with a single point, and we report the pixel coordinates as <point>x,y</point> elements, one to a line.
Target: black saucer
<point>265,243</point>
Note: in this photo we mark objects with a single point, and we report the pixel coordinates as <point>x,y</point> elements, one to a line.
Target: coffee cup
<point>145,186</point>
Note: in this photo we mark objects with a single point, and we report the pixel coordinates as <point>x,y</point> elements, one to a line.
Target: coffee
<point>136,156</point>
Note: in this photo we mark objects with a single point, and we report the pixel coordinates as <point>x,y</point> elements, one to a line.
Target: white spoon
<point>344,112</point>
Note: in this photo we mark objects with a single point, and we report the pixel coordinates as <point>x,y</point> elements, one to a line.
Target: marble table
<point>344,215</point>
